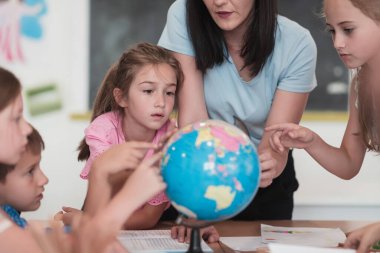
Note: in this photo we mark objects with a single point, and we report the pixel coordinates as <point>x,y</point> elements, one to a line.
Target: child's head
<point>22,185</point>
<point>355,29</point>
<point>122,74</point>
<point>13,127</point>
<point>141,86</point>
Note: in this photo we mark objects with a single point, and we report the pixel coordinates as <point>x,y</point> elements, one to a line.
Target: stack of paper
<point>282,248</point>
<point>136,241</point>
<point>244,243</point>
<point>317,237</point>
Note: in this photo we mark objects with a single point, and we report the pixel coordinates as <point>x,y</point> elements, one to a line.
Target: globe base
<point>195,241</point>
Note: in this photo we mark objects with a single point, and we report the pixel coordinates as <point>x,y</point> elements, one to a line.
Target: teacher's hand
<point>272,164</point>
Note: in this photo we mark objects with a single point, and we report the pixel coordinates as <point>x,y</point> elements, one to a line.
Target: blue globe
<point>211,170</point>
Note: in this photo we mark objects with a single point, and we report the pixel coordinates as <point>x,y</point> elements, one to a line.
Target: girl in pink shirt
<point>133,105</point>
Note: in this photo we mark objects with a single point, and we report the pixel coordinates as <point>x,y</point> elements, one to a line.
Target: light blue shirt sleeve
<point>175,36</point>
<point>301,59</point>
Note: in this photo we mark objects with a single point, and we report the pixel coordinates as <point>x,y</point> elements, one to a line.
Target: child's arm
<point>118,159</point>
<point>145,217</point>
<point>16,240</point>
<point>344,162</point>
<point>134,193</point>
<point>362,239</point>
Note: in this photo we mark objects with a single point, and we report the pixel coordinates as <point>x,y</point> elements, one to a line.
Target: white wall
<point>65,61</point>
<point>323,196</point>
<point>60,57</point>
<point>320,196</point>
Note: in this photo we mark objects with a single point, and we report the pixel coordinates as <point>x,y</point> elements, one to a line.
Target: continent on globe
<point>211,170</point>
<point>222,195</point>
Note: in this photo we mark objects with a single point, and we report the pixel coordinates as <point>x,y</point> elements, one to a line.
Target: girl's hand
<point>289,135</point>
<point>363,238</point>
<point>125,156</point>
<point>67,215</point>
<point>172,129</point>
<point>183,234</point>
<point>146,180</point>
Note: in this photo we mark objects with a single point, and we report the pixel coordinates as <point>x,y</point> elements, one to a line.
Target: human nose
<point>160,100</point>
<point>219,2</point>
<point>43,180</point>
<point>339,41</point>
<point>26,129</point>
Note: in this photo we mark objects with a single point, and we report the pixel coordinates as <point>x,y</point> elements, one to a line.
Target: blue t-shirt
<point>290,67</point>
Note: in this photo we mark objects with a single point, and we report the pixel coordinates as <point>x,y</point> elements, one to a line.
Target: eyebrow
<point>341,23</point>
<point>152,82</point>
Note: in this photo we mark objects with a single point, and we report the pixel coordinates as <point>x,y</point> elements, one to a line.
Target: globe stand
<point>195,239</point>
<point>195,242</point>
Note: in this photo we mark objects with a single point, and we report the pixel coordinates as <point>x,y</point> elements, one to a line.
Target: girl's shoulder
<point>105,123</point>
<point>5,223</point>
<point>107,119</point>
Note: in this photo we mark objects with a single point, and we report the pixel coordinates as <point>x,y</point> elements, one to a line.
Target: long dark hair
<point>121,75</point>
<point>209,43</point>
<point>10,88</point>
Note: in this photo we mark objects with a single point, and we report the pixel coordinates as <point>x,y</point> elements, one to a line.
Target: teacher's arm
<point>191,101</point>
<point>286,107</point>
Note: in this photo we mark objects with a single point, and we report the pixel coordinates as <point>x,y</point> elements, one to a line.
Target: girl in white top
<point>355,30</point>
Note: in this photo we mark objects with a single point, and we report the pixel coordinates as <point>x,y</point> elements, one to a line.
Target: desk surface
<point>252,228</point>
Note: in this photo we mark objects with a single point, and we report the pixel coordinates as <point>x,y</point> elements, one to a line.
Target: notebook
<point>136,241</point>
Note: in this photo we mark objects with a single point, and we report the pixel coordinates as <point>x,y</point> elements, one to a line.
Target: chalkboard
<point>332,75</point>
<point>117,24</point>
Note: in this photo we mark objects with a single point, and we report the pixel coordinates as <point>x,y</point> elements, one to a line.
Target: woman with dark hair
<point>244,64</point>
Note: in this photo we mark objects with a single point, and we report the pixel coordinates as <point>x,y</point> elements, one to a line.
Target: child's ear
<point>119,97</point>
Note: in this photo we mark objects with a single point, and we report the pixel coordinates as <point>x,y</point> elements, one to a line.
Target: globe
<point>211,170</point>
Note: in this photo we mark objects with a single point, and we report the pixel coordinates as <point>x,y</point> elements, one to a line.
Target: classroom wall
<point>320,196</point>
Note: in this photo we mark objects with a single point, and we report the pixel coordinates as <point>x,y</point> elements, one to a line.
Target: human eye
<point>170,93</point>
<point>348,30</point>
<point>17,118</point>
<point>148,91</point>
<point>30,171</point>
<point>330,30</point>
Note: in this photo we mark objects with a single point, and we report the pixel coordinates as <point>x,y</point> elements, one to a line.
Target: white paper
<point>243,243</point>
<point>136,241</point>
<point>317,237</point>
<point>282,248</point>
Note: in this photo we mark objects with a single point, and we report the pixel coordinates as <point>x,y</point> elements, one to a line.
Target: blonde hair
<point>368,89</point>
<point>369,110</point>
<point>121,75</point>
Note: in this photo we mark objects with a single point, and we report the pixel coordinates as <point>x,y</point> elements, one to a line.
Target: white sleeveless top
<point>4,223</point>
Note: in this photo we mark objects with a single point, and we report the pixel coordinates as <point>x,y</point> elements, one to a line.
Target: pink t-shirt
<point>105,131</point>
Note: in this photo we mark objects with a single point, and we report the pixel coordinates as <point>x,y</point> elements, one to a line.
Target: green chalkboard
<point>117,24</point>
<point>332,75</point>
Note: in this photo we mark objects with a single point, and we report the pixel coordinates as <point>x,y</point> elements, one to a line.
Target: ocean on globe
<point>211,170</point>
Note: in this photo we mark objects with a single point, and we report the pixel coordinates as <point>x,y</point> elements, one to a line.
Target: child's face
<point>151,97</point>
<point>13,132</point>
<point>356,37</point>
<point>23,186</point>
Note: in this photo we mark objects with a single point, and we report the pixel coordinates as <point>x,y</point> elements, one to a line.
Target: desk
<point>252,228</point>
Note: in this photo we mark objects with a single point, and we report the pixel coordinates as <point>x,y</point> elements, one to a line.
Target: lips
<point>157,115</point>
<point>39,197</point>
<point>223,14</point>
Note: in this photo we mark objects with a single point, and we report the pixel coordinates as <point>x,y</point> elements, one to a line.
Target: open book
<point>136,241</point>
